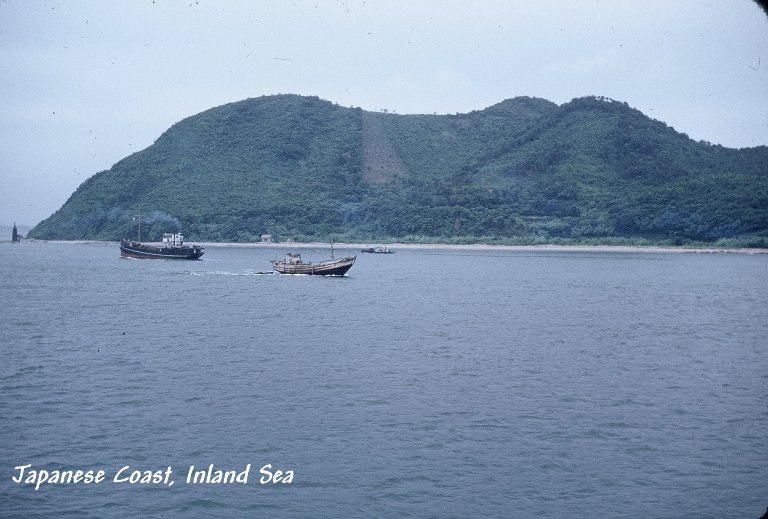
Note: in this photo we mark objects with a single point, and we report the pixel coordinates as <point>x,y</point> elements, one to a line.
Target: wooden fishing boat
<point>293,264</point>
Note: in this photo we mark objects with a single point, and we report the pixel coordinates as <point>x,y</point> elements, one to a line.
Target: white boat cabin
<point>292,258</point>
<point>173,240</point>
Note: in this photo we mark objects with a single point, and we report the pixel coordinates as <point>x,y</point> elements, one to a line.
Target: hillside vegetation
<point>522,171</point>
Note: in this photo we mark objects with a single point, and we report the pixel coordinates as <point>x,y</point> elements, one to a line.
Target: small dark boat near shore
<point>172,248</point>
<point>292,264</point>
<point>377,250</point>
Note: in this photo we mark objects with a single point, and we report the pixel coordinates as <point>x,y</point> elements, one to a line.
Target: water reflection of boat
<point>293,264</point>
<point>172,248</point>
<point>377,250</point>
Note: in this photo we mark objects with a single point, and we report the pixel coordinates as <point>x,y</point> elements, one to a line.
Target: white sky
<point>85,83</point>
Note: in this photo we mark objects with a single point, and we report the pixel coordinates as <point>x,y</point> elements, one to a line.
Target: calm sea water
<point>429,383</point>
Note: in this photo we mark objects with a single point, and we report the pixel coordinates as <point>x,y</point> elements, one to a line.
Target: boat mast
<point>139,218</point>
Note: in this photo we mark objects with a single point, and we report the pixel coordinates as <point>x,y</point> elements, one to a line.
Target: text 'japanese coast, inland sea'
<point>27,475</point>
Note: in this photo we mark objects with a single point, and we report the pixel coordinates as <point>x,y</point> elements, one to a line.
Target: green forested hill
<point>524,170</point>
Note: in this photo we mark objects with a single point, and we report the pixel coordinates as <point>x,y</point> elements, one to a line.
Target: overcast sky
<point>85,83</point>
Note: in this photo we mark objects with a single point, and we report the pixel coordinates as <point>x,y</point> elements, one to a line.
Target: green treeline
<point>523,171</point>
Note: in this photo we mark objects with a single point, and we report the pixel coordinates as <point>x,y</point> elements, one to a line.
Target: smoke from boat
<point>159,216</point>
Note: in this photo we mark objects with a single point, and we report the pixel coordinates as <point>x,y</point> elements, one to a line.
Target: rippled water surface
<point>428,383</point>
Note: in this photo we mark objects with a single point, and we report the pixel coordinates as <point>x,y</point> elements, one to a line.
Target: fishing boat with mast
<point>293,264</point>
<point>172,247</point>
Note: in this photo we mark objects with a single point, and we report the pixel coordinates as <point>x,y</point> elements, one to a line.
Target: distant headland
<point>524,171</point>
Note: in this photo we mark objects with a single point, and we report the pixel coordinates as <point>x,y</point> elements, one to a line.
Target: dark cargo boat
<point>377,250</point>
<point>172,248</point>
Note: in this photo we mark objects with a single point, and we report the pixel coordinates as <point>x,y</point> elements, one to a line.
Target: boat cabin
<point>173,240</point>
<point>293,258</point>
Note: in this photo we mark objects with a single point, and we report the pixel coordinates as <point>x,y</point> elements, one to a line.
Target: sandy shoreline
<point>482,247</point>
<point>437,246</point>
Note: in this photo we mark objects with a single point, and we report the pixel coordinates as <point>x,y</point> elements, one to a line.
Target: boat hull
<point>337,267</point>
<point>141,251</point>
